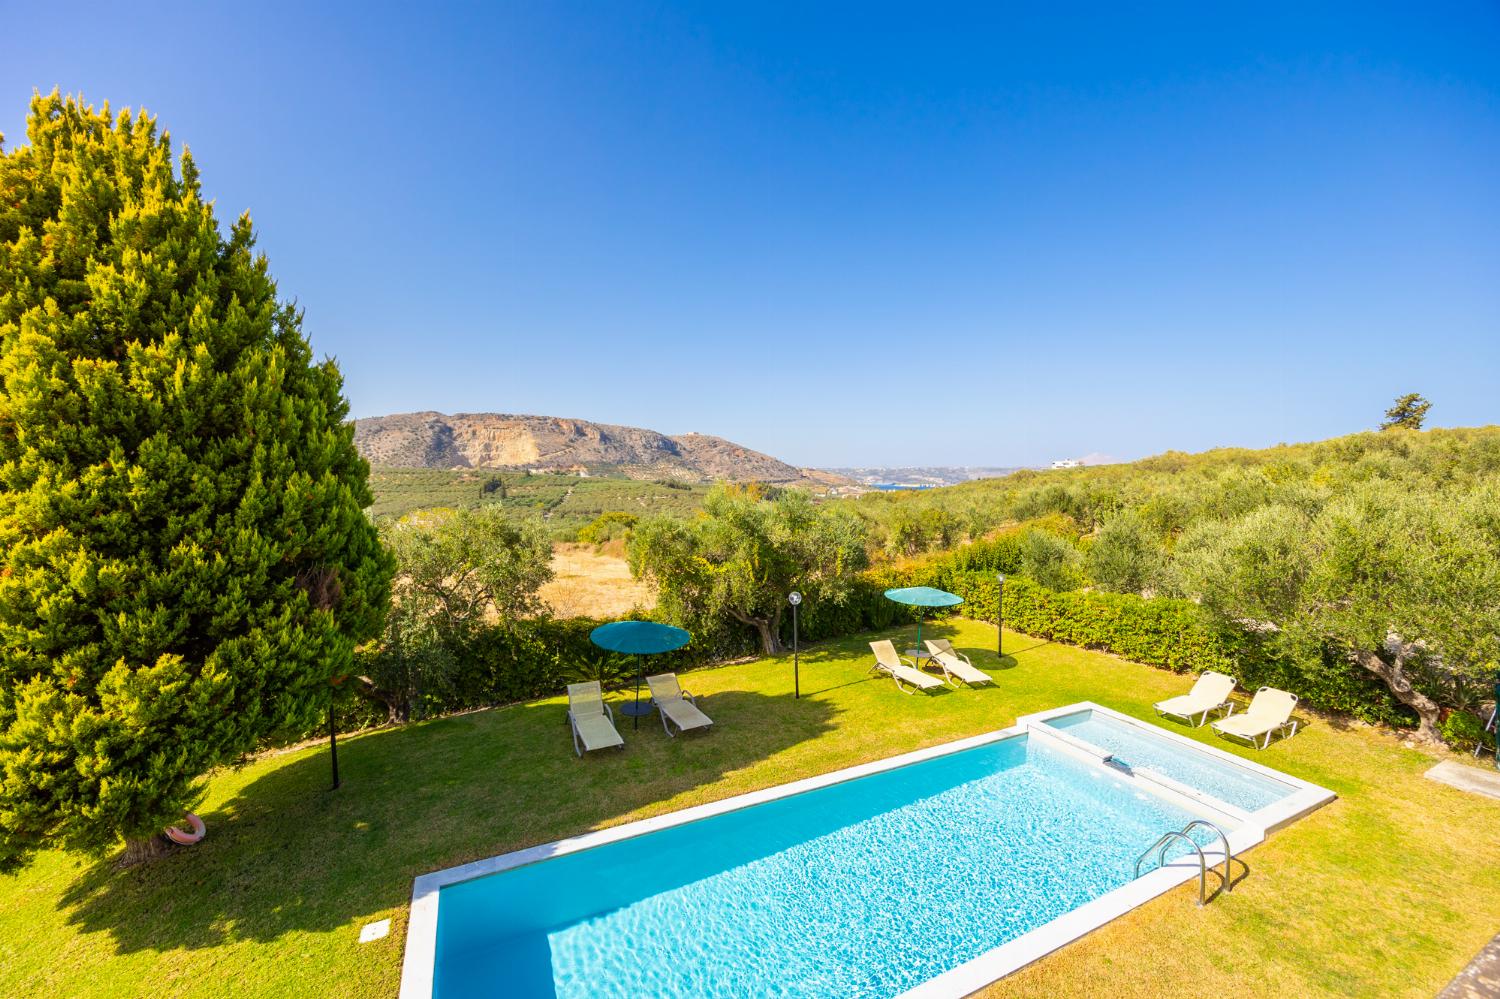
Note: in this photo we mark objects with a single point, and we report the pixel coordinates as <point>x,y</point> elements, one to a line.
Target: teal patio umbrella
<point>923,596</point>
<point>638,638</point>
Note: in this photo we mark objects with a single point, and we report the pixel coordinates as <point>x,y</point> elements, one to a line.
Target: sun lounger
<point>955,665</point>
<point>1209,694</point>
<point>1270,711</point>
<point>592,721</point>
<point>675,704</point>
<point>901,670</point>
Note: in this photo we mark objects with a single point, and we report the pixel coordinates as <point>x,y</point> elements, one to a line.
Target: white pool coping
<point>419,963</point>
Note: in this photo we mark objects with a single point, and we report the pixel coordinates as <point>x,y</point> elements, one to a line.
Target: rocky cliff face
<point>499,440</point>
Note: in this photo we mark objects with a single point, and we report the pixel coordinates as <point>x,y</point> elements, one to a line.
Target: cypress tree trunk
<point>142,849</point>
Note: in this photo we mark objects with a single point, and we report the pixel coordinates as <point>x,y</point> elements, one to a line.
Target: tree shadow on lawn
<point>842,651</point>
<point>840,656</point>
<point>983,657</point>
<point>287,854</point>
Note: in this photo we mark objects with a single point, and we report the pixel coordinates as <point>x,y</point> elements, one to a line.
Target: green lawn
<point>1387,891</point>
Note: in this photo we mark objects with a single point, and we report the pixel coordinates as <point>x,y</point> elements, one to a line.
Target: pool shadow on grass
<point>287,855</point>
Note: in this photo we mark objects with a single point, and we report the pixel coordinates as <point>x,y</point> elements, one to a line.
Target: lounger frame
<point>936,656</point>
<point>1226,705</point>
<point>682,695</point>
<point>1290,723</point>
<point>578,746</point>
<point>900,684</point>
<point>1202,716</point>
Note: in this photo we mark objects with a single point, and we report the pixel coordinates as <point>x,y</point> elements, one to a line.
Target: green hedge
<point>1166,633</point>
<point>531,659</point>
<point>536,658</point>
<point>1172,634</point>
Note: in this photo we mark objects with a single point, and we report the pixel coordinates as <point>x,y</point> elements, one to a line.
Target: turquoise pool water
<point>865,888</point>
<point>1134,747</point>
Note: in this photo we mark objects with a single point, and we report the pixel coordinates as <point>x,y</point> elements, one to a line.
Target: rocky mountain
<point>549,443</point>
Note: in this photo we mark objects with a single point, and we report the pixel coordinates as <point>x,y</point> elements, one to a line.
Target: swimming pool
<point>930,873</point>
<point>1135,746</point>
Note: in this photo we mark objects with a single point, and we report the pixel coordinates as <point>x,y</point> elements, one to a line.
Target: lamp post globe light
<point>1000,614</point>
<point>795,599</point>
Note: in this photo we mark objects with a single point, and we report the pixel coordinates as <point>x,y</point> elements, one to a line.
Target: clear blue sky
<point>857,236</point>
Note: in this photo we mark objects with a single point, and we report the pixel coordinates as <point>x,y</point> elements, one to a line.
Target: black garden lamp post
<point>1000,614</point>
<point>795,599</point>
<point>333,739</point>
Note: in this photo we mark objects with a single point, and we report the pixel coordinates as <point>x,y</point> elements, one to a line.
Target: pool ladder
<point>1160,846</point>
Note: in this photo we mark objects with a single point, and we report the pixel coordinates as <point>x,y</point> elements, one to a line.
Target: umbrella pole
<point>635,719</point>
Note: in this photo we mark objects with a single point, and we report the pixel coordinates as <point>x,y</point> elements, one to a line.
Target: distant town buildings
<point>1067,463</point>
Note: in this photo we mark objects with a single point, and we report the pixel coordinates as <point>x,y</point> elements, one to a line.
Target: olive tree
<point>1405,585</point>
<point>1051,561</point>
<point>745,554</point>
<point>1126,557</point>
<point>456,573</point>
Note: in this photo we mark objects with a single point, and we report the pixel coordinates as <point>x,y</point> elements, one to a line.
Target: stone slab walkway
<point>1481,979</point>
<point>1472,779</point>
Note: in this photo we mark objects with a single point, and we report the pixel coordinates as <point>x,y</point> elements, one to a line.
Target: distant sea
<point>894,486</point>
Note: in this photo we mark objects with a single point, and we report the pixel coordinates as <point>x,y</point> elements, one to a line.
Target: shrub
<point>524,660</point>
<point>1126,557</point>
<point>1463,730</point>
<point>609,670</point>
<point>1051,560</point>
<point>606,527</point>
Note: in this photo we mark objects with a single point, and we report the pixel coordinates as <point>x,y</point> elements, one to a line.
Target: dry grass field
<point>593,583</point>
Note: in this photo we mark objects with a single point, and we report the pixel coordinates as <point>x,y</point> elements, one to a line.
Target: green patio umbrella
<point>638,638</point>
<point>923,596</point>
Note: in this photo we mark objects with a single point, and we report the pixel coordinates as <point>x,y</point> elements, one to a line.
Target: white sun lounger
<point>592,721</point>
<point>675,704</point>
<point>956,666</point>
<point>899,669</point>
<point>1209,694</point>
<point>1270,711</point>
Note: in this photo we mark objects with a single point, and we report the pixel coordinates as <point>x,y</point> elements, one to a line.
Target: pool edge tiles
<point>422,945</point>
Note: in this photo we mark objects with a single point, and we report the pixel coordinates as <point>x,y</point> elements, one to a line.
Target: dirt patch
<point>590,583</point>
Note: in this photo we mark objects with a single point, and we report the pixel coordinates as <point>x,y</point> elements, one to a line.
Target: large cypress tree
<point>184,560</point>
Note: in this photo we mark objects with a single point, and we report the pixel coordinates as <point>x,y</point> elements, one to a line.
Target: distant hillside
<point>924,476</point>
<point>1170,491</point>
<point>549,443</point>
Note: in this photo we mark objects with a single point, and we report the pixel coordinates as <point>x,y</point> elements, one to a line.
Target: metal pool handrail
<point>1161,859</point>
<point>1228,884</point>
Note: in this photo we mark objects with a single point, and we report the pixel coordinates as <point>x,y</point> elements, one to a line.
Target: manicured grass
<point>1387,891</point>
